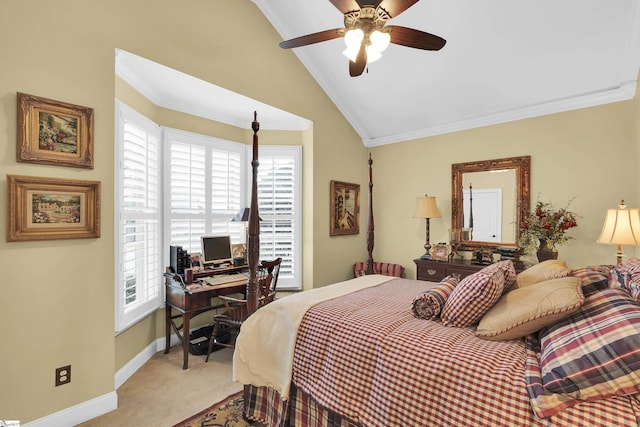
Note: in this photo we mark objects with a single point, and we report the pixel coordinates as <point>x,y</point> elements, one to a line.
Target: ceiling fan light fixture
<point>353,38</point>
<point>351,53</point>
<point>372,54</point>
<point>380,40</point>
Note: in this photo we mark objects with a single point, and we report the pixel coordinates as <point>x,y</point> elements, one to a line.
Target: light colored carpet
<point>161,393</point>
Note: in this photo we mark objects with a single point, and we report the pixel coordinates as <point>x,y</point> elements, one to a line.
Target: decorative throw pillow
<point>428,304</point>
<point>550,269</point>
<point>595,352</point>
<point>593,277</point>
<point>627,276</point>
<point>507,268</point>
<point>523,311</point>
<point>475,294</point>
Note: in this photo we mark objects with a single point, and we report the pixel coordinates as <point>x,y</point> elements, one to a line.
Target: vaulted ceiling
<point>504,60</point>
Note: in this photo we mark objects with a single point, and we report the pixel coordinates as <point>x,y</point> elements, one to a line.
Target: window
<point>279,205</point>
<point>204,183</point>
<point>205,188</point>
<point>138,217</point>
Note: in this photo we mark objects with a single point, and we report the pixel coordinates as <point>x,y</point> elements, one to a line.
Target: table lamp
<point>426,208</point>
<point>243,216</point>
<point>621,227</point>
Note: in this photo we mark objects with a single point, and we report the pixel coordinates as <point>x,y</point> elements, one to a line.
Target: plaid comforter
<point>367,358</point>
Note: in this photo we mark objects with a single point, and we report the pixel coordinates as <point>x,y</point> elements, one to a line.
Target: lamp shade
<point>426,208</point>
<point>243,215</point>
<point>621,226</point>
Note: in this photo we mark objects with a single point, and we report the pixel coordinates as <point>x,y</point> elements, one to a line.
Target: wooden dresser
<point>434,271</point>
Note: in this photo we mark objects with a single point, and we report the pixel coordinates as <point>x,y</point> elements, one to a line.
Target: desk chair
<point>236,309</point>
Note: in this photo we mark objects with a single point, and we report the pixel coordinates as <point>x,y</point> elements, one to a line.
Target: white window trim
<point>125,320</point>
<point>209,143</point>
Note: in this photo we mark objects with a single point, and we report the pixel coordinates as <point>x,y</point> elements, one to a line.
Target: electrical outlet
<point>63,375</point>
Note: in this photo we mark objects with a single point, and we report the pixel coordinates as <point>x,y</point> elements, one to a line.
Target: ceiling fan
<point>365,33</point>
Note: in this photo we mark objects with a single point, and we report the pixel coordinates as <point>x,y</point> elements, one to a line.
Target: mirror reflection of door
<point>487,214</point>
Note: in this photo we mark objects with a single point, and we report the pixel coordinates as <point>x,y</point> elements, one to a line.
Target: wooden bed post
<point>370,225</point>
<point>254,225</point>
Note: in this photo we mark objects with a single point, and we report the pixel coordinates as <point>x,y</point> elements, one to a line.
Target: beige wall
<point>588,154</point>
<point>58,295</point>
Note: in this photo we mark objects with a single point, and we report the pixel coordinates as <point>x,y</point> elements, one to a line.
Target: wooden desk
<point>189,303</point>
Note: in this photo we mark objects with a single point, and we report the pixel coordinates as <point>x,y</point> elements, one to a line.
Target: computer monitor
<point>216,250</point>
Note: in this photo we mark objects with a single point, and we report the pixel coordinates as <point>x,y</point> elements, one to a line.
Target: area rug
<point>227,413</point>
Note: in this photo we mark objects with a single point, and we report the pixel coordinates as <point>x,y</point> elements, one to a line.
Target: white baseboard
<point>79,413</point>
<point>108,402</point>
<point>136,363</point>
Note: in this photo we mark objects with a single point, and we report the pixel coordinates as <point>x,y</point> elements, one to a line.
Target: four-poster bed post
<point>370,225</point>
<point>253,249</point>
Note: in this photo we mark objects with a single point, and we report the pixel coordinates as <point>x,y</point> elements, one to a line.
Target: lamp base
<point>427,249</point>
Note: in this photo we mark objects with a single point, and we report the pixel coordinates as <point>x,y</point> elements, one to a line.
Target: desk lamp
<point>621,227</point>
<point>426,208</point>
<point>243,216</point>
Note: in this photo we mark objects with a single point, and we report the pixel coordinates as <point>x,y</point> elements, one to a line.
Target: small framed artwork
<point>238,250</point>
<point>52,208</point>
<point>440,252</point>
<point>54,133</point>
<point>344,208</point>
<point>196,261</point>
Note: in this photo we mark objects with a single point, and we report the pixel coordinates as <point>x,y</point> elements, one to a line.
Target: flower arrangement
<point>545,224</point>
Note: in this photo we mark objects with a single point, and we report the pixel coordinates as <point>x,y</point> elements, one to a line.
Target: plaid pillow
<point>627,275</point>
<point>473,297</point>
<point>507,268</point>
<point>595,352</point>
<point>593,278</point>
<point>428,304</point>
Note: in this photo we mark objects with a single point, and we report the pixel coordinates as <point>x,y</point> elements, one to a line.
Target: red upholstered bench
<point>384,268</point>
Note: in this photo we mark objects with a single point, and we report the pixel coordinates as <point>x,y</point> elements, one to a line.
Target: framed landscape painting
<point>345,208</point>
<point>52,208</point>
<point>54,133</point>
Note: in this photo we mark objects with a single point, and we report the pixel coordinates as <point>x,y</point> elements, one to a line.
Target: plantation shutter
<point>279,206</point>
<point>139,274</point>
<point>205,188</point>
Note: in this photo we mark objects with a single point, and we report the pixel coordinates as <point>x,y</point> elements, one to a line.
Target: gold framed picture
<point>440,252</point>
<point>344,208</point>
<point>54,133</point>
<point>52,208</point>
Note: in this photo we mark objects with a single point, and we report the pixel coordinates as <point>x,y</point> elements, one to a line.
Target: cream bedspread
<point>263,353</point>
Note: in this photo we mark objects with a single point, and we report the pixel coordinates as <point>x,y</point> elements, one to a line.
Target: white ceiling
<point>504,60</point>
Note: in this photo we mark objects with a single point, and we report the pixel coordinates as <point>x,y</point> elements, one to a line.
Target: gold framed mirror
<point>489,199</point>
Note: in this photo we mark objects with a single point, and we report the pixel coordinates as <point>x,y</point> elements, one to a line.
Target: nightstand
<point>435,271</point>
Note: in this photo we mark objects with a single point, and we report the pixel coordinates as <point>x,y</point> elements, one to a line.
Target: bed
<point>363,353</point>
<point>363,358</point>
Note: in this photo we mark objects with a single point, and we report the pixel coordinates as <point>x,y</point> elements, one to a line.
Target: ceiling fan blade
<point>396,7</point>
<point>345,6</point>
<point>321,36</point>
<point>356,68</point>
<point>415,38</point>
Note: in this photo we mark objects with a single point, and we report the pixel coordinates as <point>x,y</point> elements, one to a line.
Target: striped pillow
<point>473,297</point>
<point>428,304</point>
<point>595,352</point>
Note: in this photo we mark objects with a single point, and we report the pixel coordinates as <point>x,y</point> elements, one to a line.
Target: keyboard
<point>224,278</point>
